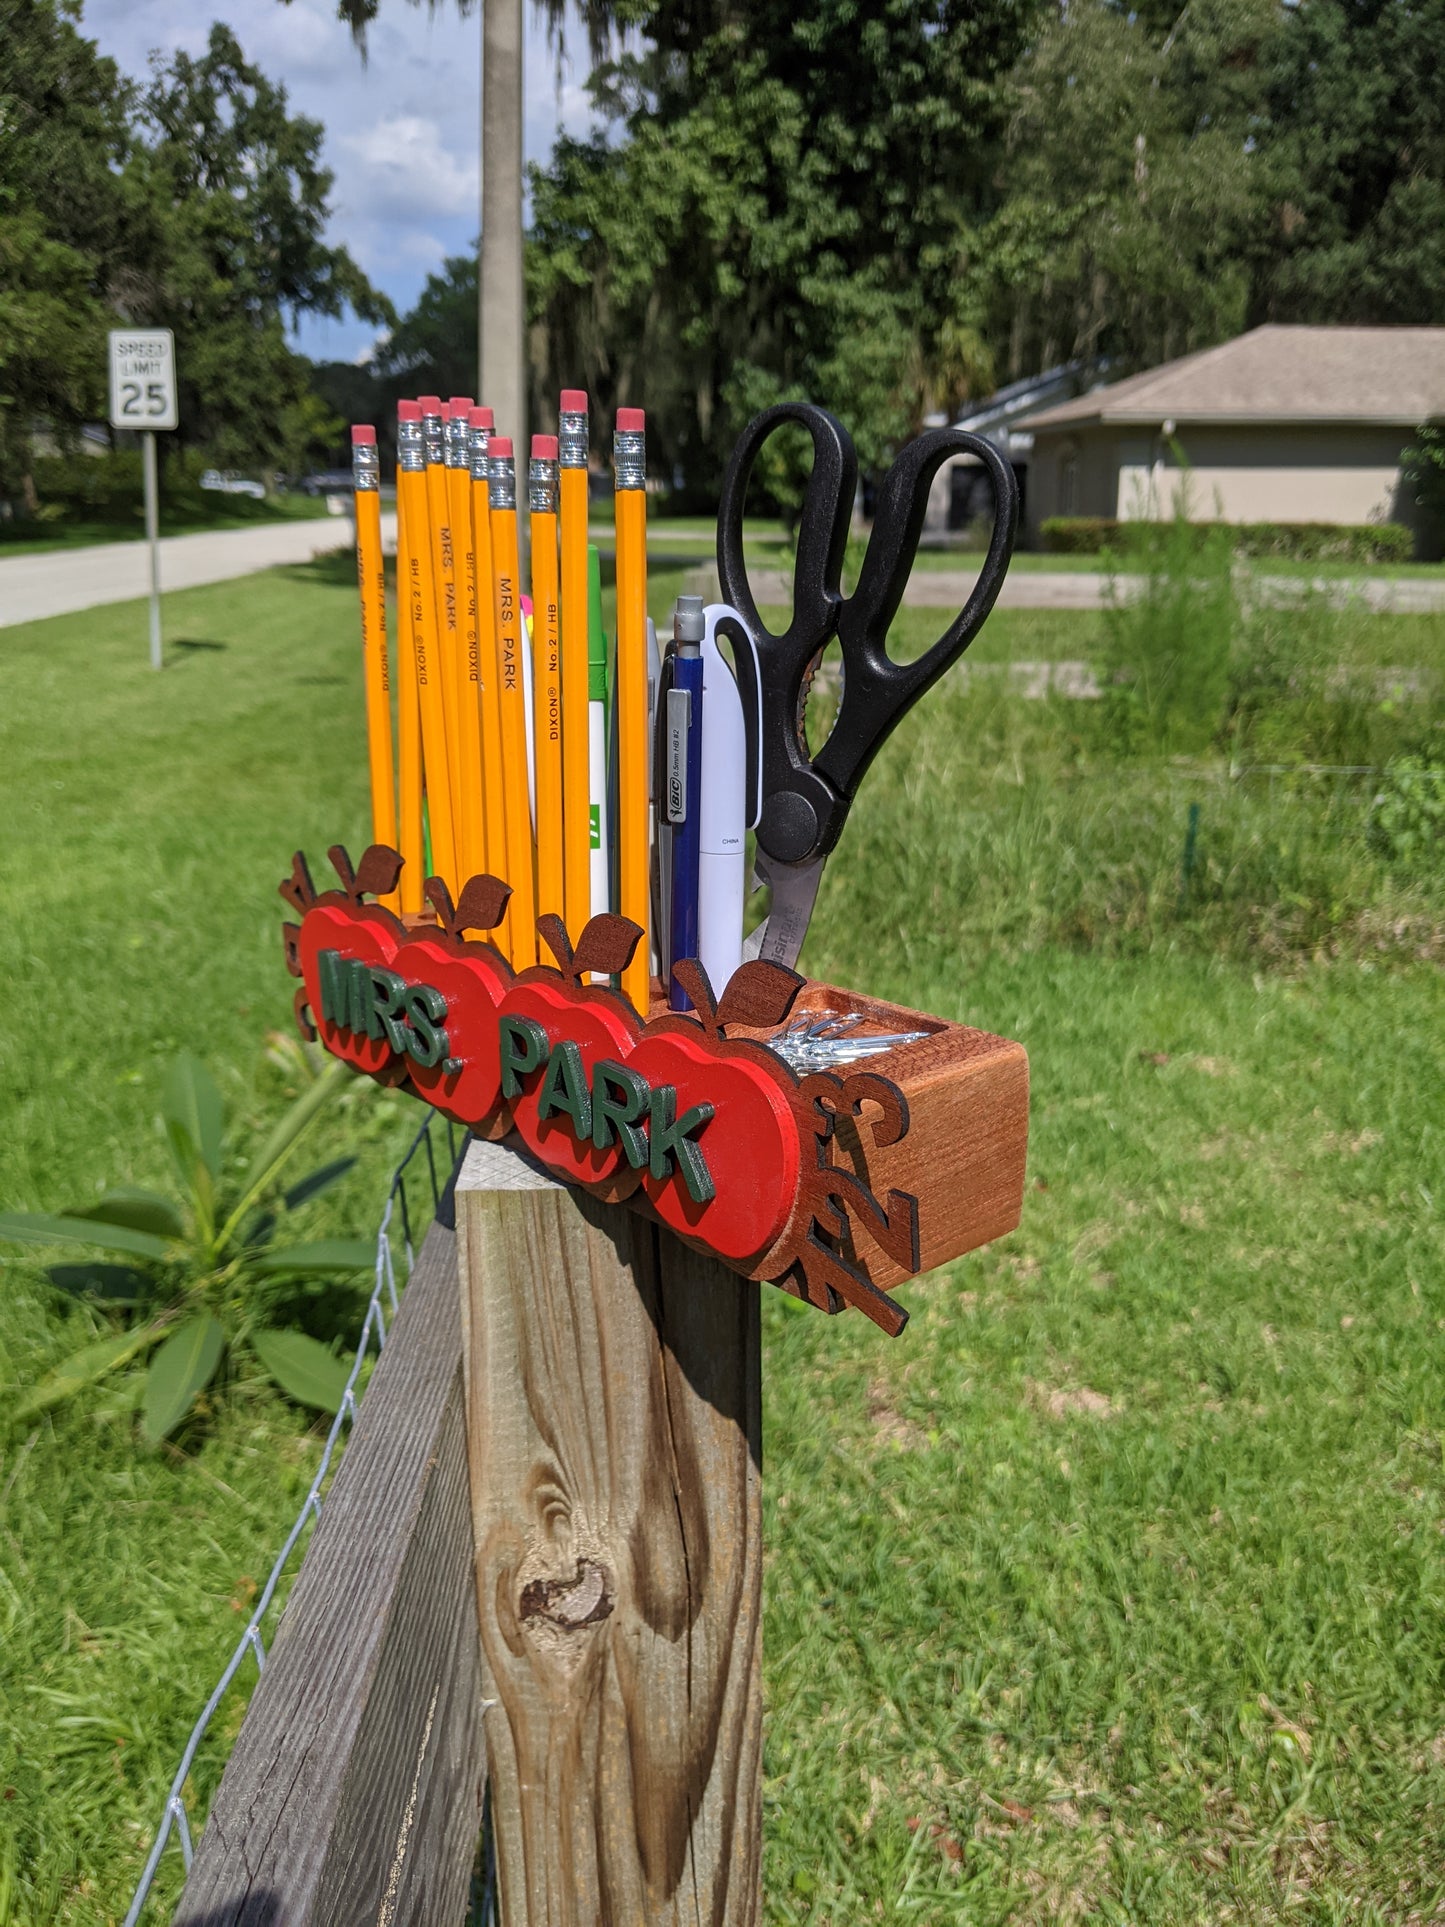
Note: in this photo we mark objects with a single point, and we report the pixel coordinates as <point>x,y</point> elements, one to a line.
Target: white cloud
<point>401,169</point>
<point>402,127</point>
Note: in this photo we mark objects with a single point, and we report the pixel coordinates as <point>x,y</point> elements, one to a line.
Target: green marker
<point>597,736</point>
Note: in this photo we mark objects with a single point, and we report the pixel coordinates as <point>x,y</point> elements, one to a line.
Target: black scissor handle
<point>822,531</point>
<point>798,804</point>
<point>876,690</point>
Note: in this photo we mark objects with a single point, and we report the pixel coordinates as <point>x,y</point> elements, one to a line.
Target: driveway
<point>60,581</point>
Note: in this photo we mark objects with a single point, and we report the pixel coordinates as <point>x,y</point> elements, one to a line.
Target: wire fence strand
<point>175,1822</point>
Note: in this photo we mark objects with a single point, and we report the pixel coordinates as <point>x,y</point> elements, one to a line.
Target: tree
<point>784,215</point>
<point>238,201</point>
<point>1135,186</point>
<point>67,223</point>
<point>433,348</point>
<point>1355,138</point>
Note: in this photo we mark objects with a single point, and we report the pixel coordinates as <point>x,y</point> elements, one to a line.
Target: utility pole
<point>502,298</point>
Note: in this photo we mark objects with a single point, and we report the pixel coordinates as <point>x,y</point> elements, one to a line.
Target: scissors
<point>805,799</point>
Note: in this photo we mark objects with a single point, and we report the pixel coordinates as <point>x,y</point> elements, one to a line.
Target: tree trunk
<point>501,295</point>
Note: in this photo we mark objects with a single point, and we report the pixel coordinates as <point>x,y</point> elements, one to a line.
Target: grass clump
<point>202,1282</point>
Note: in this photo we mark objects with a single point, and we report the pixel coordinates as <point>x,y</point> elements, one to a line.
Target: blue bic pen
<point>682,785</point>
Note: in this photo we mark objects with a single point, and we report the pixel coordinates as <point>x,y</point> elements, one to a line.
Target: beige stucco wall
<point>1265,474</point>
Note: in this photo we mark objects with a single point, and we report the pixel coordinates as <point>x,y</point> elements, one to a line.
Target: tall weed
<point>1168,637</point>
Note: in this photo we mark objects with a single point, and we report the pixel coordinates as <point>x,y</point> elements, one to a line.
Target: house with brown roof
<point>1283,424</point>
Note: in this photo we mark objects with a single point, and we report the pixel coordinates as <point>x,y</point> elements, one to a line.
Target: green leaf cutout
<point>183,1366</point>
<point>304,1369</point>
<point>315,1182</point>
<point>40,1228</point>
<point>137,1211</point>
<point>326,1254</point>
<point>83,1368</point>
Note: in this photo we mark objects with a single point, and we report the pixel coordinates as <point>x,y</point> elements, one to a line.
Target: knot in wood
<point>570,1603</point>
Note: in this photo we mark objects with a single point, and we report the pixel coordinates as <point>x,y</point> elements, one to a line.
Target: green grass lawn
<point>1115,1588</point>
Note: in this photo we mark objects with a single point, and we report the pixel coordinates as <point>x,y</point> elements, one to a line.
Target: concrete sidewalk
<point>61,581</point>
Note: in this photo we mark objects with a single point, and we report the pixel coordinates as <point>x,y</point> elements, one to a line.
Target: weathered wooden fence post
<point>613,1429</point>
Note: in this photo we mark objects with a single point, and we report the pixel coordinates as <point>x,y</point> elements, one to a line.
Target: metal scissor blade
<point>779,937</point>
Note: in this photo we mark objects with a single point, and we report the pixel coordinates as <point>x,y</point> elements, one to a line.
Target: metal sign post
<point>143,398</point>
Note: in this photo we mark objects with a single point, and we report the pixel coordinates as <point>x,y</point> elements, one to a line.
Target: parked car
<point>227,482</point>
<point>327,481</point>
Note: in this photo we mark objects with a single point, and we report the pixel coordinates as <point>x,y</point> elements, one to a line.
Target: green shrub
<point>1358,542</point>
<point>108,488</point>
<point>1363,543</point>
<point>199,1276</point>
<point>1424,468</point>
<point>1406,823</point>
<point>1078,534</point>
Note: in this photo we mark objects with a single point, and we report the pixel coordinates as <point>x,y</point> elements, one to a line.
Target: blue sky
<point>402,130</point>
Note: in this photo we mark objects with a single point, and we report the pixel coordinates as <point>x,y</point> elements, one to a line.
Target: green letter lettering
<point>619,1098</point>
<point>426,1009</point>
<point>564,1088</point>
<point>388,1012</point>
<point>360,1016</point>
<point>335,986</point>
<point>673,1139</point>
<point>523,1045</point>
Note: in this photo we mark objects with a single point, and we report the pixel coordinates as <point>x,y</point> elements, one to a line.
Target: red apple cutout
<point>339,931</point>
<point>751,1141</point>
<point>552,1102</point>
<point>464,1080</point>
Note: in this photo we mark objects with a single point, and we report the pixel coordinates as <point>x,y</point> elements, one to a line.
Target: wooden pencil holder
<point>834,1185</point>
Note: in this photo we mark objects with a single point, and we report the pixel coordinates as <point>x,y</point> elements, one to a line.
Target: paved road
<point>57,583</point>
<point>61,581</point>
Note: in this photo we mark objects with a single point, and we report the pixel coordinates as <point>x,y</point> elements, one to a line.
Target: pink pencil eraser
<point>631,421</point>
<point>431,404</point>
<point>483,418</point>
<point>500,448</point>
<point>574,401</point>
<point>363,436</point>
<point>408,411</point>
<point>544,448</point>
<point>459,405</point>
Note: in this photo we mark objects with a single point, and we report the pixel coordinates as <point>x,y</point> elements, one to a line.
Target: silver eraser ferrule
<point>501,482</point>
<point>572,439</point>
<point>410,449</point>
<point>542,485</point>
<point>629,457</point>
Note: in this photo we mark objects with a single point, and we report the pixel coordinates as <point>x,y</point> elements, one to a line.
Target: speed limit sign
<point>142,378</point>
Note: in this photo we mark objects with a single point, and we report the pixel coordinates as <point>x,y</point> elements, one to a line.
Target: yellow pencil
<point>546,676</point>
<point>467,704</point>
<point>502,498</point>
<point>494,795</point>
<point>408,731</point>
<point>371,580</point>
<point>441,562</point>
<point>411,495</point>
<point>576,781</point>
<point>634,843</point>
